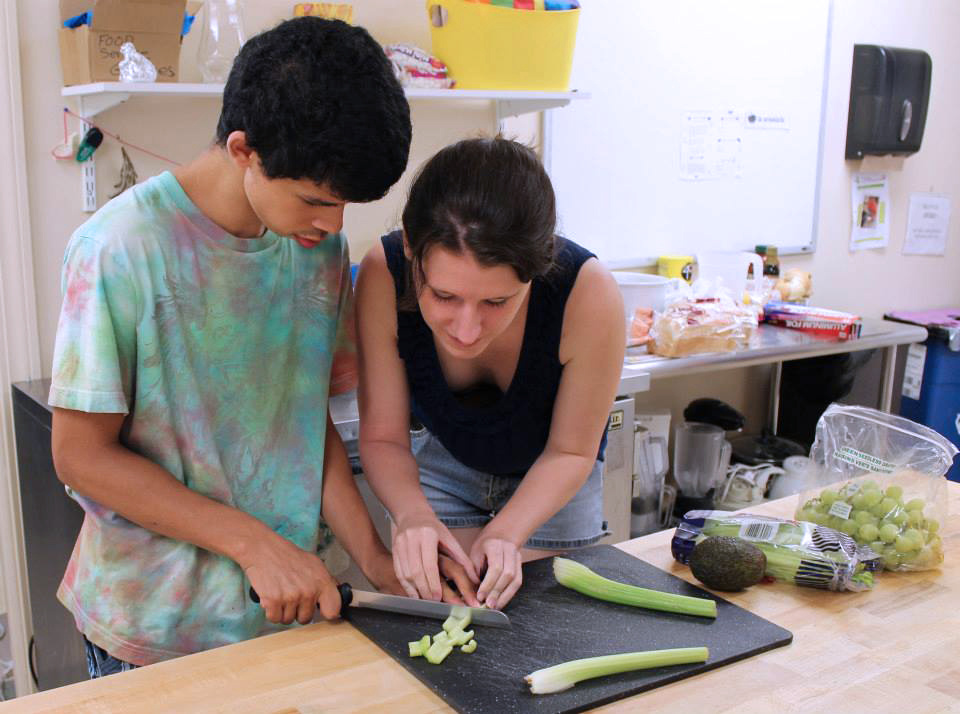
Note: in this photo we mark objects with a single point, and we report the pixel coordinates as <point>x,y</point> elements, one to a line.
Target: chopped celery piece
<point>456,623</point>
<point>471,646</point>
<point>459,637</point>
<point>579,577</point>
<point>420,647</point>
<point>441,636</point>
<point>438,651</point>
<point>563,676</point>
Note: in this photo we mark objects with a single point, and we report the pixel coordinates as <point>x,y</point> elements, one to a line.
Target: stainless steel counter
<point>775,345</point>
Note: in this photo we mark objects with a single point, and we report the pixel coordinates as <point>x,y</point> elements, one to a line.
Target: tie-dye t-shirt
<point>222,351</point>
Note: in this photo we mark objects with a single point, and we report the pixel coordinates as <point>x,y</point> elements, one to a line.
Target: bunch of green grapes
<point>879,518</point>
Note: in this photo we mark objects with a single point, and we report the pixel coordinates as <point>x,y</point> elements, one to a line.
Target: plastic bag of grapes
<point>882,481</point>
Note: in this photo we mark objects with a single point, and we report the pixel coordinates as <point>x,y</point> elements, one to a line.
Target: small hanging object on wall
<point>91,140</point>
<point>128,174</point>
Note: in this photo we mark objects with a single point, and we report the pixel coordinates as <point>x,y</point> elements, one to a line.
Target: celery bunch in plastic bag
<point>797,552</point>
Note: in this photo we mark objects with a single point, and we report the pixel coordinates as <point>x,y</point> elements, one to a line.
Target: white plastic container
<point>643,290</point>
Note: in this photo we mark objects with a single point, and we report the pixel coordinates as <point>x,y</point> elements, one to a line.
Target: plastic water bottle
<point>221,39</point>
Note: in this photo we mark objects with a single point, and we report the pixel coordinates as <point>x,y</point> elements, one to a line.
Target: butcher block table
<point>894,649</point>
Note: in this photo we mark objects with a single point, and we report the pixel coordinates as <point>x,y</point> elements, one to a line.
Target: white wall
<point>873,282</point>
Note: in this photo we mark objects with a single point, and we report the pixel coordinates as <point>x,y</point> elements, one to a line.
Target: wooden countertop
<point>893,649</point>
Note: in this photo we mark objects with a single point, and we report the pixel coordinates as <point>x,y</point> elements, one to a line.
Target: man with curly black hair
<point>207,318</point>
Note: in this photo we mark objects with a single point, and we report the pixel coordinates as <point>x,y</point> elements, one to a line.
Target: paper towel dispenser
<point>889,91</point>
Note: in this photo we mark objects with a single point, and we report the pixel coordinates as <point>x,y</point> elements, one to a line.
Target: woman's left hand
<point>381,574</point>
<point>503,569</point>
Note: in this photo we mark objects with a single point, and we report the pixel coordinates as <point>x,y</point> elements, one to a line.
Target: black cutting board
<point>552,624</point>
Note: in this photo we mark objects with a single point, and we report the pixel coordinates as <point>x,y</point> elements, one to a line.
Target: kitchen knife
<point>412,606</point>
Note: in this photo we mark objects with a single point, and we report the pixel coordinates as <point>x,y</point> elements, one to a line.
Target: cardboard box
<point>91,53</point>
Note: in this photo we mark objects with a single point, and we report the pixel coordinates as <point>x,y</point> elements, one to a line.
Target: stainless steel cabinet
<point>51,521</point>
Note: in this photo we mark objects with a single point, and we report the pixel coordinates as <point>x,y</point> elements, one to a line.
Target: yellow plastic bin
<point>492,47</point>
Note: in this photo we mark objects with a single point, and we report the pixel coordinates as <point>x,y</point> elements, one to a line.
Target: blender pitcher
<point>700,457</point>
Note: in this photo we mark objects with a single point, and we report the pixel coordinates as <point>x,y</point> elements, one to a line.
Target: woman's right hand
<point>418,541</point>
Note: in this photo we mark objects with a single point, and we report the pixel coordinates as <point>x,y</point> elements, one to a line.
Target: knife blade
<point>412,606</point>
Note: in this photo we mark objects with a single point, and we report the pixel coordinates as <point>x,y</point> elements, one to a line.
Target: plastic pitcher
<point>700,457</point>
<point>727,270</point>
<point>650,464</point>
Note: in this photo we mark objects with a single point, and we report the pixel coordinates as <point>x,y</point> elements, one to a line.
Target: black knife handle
<point>346,597</point>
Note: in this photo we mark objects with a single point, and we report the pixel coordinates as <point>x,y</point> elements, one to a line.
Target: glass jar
<point>222,36</point>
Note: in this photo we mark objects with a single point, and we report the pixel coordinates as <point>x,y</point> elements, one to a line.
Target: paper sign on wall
<point>870,201</point>
<point>927,224</point>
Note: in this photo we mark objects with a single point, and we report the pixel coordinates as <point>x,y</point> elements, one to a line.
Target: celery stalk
<point>579,577</point>
<point>563,676</point>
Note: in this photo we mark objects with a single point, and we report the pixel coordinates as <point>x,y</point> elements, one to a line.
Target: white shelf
<point>100,96</point>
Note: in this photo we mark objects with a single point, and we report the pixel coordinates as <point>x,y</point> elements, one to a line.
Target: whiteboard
<point>703,130</point>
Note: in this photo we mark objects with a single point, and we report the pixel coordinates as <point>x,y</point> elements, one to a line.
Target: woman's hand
<point>466,590</point>
<point>417,544</point>
<point>381,574</point>
<point>503,565</point>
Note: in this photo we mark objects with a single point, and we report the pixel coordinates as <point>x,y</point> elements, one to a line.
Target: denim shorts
<point>100,663</point>
<point>466,498</point>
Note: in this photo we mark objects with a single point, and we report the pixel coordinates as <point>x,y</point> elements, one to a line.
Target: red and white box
<point>815,320</point>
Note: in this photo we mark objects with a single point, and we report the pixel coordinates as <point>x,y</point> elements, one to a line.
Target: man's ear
<point>407,253</point>
<point>239,151</point>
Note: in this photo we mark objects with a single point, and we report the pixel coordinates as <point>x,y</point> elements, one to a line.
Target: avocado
<point>727,563</point>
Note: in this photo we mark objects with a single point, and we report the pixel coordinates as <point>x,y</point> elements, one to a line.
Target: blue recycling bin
<point>931,385</point>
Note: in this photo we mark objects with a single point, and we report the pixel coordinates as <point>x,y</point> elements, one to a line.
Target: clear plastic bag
<point>800,553</point>
<point>693,325</point>
<point>881,482</point>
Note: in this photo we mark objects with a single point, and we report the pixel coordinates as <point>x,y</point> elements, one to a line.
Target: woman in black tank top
<point>503,344</point>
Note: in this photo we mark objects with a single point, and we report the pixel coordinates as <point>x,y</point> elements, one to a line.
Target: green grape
<point>861,517</point>
<point>871,498</point>
<point>811,504</point>
<point>877,547</point>
<point>904,544</point>
<point>834,522</point>
<point>850,527</point>
<point>869,486</point>
<point>891,560</point>
<point>858,501</point>
<point>915,518</point>
<point>915,504</point>
<point>910,557</point>
<point>827,497</point>
<point>818,518</point>
<point>894,492</point>
<point>932,525</point>
<point>808,515</point>
<point>888,533</point>
<point>914,535</point>
<point>868,532</point>
<point>900,518</point>
<point>888,505</point>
